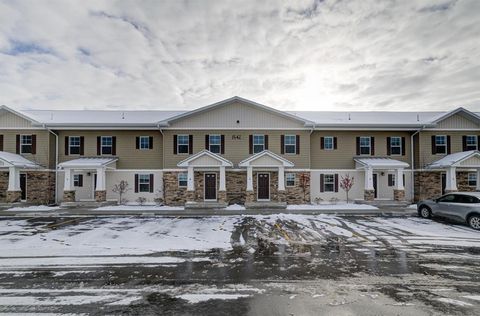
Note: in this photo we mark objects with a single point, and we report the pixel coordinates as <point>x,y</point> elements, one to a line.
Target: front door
<point>23,186</point>
<point>210,186</point>
<point>263,189</point>
<point>375,188</point>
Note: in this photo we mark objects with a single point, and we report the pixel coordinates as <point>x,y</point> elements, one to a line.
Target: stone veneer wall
<point>3,186</point>
<point>173,195</point>
<point>41,187</point>
<point>427,184</point>
<point>462,182</point>
<point>298,194</point>
<point>236,187</point>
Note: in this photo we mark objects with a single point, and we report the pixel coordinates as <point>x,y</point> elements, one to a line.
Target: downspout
<point>412,161</point>
<point>163,160</point>
<point>56,163</point>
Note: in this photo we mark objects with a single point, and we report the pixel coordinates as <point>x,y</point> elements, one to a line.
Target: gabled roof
<point>459,110</point>
<point>223,162</point>
<point>210,107</point>
<point>88,162</point>
<point>22,115</point>
<point>14,160</point>
<point>454,160</point>
<point>247,162</point>
<point>379,163</point>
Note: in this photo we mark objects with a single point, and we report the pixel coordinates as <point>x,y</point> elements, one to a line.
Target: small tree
<point>121,188</point>
<point>346,183</point>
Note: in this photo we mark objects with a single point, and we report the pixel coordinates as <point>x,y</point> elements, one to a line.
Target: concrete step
<point>266,205</point>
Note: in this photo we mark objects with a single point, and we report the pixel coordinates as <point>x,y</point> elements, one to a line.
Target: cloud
<point>298,55</point>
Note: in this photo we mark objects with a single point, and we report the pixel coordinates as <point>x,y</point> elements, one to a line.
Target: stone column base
<point>369,195</point>
<point>450,191</point>
<point>249,197</point>
<point>222,196</point>
<point>100,196</point>
<point>13,196</point>
<point>68,196</point>
<point>281,196</point>
<point>399,195</point>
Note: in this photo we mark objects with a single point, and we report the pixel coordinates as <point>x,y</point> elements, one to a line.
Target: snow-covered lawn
<point>136,207</point>
<point>34,208</point>
<point>332,206</point>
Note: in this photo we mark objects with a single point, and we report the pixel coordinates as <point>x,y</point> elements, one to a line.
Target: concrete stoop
<point>381,203</point>
<point>266,205</point>
<point>87,204</point>
<point>205,205</point>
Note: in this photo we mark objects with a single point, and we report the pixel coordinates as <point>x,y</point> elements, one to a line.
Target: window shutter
<point>358,146</point>
<point>174,144</point>
<point>150,142</point>
<point>266,142</point>
<point>322,142</point>
<point>137,142</point>
<point>336,182</point>
<point>434,148</point>
<point>136,183</point>
<point>114,145</point>
<point>82,145</point>
<point>207,142</point>
<point>321,182</point>
<point>151,182</point>
<point>34,144</point>
<point>190,144</point>
<point>250,144</point>
<point>390,180</point>
<point>297,141</point>
<point>448,145</point>
<point>1,142</point>
<point>389,142</point>
<point>464,143</point>
<point>99,141</point>
<point>372,146</point>
<point>404,143</point>
<point>282,144</point>
<point>222,144</point>
<point>66,145</point>
<point>334,143</point>
<point>80,180</point>
<point>18,144</point>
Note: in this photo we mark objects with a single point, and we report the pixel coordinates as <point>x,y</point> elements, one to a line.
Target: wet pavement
<point>267,265</point>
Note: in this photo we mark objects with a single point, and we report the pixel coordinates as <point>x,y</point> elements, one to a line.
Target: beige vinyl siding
<point>128,156</point>
<point>457,121</point>
<point>10,120</point>
<point>342,157</point>
<point>238,150</point>
<point>42,148</point>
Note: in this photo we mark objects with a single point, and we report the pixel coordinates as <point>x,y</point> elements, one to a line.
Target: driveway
<point>282,264</point>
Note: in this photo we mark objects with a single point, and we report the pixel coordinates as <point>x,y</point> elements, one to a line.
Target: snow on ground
<point>196,298</point>
<point>338,206</point>
<point>34,208</point>
<point>235,207</point>
<point>137,207</point>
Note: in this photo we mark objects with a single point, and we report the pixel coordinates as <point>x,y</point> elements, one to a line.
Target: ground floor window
<point>182,179</point>
<point>290,179</point>
<point>472,179</point>
<point>143,183</point>
<point>329,183</point>
<point>78,180</point>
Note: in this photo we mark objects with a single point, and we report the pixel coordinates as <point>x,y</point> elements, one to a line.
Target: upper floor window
<point>214,143</point>
<point>440,144</point>
<point>290,179</point>
<point>328,143</point>
<point>365,145</point>
<point>183,144</point>
<point>106,145</point>
<point>74,145</point>
<point>290,144</point>
<point>144,142</point>
<point>258,143</point>
<point>182,179</point>
<point>471,142</point>
<point>395,145</point>
<point>26,144</point>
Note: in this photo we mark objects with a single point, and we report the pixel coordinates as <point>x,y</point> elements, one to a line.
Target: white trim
<point>269,183</point>
<point>224,162</point>
<point>333,143</point>
<point>247,162</point>
<point>456,111</point>
<point>140,142</point>
<point>21,115</point>
<point>205,186</point>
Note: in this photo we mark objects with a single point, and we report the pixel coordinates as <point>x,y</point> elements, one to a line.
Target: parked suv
<point>462,207</point>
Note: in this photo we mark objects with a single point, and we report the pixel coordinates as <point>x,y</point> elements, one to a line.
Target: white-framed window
<point>365,145</point>
<point>183,144</point>
<point>106,145</point>
<point>74,145</point>
<point>77,180</point>
<point>258,143</point>
<point>290,179</point>
<point>328,143</point>
<point>144,142</point>
<point>395,145</point>
<point>471,142</point>
<point>26,144</point>
<point>215,143</point>
<point>290,144</point>
<point>143,183</point>
<point>182,179</point>
<point>440,144</point>
<point>329,183</point>
<point>472,179</point>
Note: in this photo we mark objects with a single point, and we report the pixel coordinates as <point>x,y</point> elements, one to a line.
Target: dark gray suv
<point>462,207</point>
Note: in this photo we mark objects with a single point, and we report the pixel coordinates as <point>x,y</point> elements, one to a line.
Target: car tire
<point>474,221</point>
<point>424,212</point>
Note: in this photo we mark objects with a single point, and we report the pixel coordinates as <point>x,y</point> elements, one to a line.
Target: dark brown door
<point>375,185</point>
<point>263,186</point>
<point>210,186</point>
<point>23,186</point>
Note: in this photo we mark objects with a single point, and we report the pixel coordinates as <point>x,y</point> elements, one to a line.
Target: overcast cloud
<point>298,55</point>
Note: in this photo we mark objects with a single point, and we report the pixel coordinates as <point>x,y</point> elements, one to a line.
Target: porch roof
<point>205,158</point>
<point>88,163</point>
<point>13,160</point>
<point>379,163</point>
<point>465,159</point>
<point>265,158</point>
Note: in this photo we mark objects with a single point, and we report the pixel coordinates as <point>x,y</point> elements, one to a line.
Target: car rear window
<point>466,199</point>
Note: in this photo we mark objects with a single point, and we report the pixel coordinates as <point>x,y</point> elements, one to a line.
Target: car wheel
<point>425,212</point>
<point>474,222</point>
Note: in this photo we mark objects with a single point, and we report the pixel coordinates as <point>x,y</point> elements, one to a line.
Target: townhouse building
<point>235,151</point>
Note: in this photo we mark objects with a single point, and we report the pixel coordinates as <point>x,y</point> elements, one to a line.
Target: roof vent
<point>123,115</point>
<point>349,117</point>
<point>418,117</point>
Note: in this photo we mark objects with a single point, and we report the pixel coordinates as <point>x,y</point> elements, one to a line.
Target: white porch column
<point>68,180</point>
<point>222,179</point>
<point>478,180</point>
<point>100,179</point>
<point>399,185</point>
<point>13,179</point>
<point>369,179</point>
<point>451,176</point>
<point>249,178</point>
<point>190,179</point>
<point>281,178</point>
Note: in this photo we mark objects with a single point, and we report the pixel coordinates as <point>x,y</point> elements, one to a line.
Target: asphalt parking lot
<point>283,264</point>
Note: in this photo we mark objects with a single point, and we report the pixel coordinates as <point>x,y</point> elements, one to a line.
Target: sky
<point>292,55</point>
